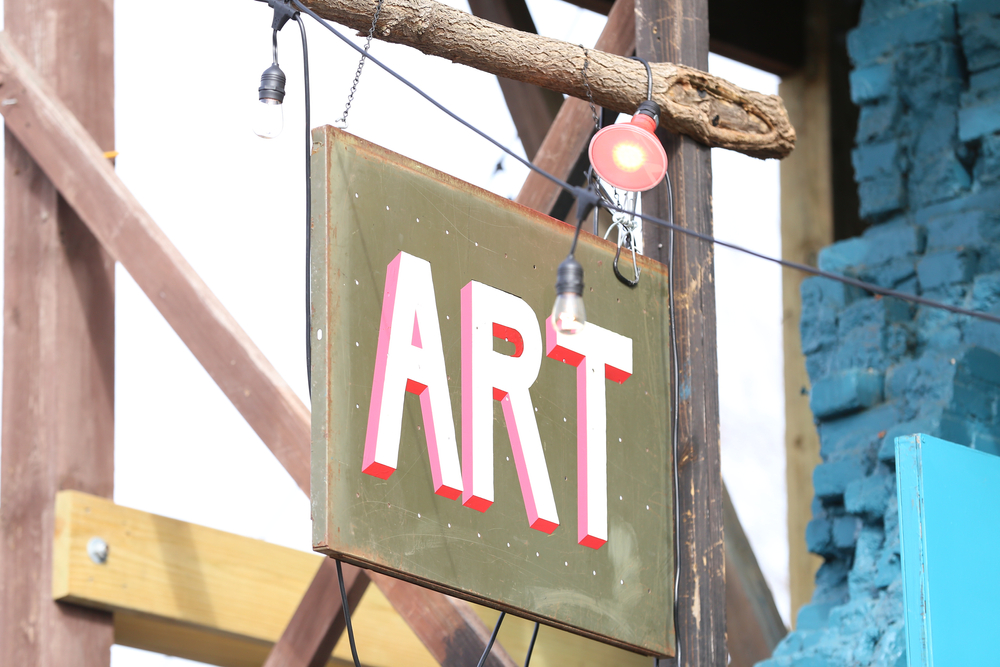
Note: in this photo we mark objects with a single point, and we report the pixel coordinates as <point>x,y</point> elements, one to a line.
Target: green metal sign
<point>458,440</point>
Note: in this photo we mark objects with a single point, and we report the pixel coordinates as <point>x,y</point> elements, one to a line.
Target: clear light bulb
<point>268,118</point>
<point>568,314</point>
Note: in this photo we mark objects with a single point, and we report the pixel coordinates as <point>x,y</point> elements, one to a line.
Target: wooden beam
<point>753,624</point>
<point>806,227</point>
<point>69,156</point>
<point>568,136</point>
<point>531,108</point>
<point>224,599</point>
<point>692,102</point>
<point>59,332</point>
<point>319,621</point>
<point>677,30</point>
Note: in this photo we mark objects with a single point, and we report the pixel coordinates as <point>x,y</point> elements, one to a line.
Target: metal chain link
<point>342,121</point>
<point>586,83</point>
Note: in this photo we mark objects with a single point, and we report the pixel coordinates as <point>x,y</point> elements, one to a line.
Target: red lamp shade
<point>628,155</point>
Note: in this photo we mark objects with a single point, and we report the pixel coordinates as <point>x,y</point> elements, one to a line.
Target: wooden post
<point>58,366</point>
<point>806,227</point>
<point>677,31</point>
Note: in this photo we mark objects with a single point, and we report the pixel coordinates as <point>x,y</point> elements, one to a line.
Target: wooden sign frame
<point>390,235</point>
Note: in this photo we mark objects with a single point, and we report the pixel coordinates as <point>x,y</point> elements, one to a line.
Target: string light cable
<point>587,196</point>
<point>493,638</point>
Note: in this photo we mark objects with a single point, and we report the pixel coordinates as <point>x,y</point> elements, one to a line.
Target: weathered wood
<point>531,108</point>
<point>677,30</point>
<point>693,102</point>
<point>69,156</point>
<point>207,595</point>
<point>806,227</point>
<point>58,365</point>
<point>318,622</point>
<point>76,165</point>
<point>754,626</point>
<point>568,136</point>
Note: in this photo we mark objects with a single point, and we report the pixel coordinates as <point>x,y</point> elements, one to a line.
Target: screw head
<point>97,549</point>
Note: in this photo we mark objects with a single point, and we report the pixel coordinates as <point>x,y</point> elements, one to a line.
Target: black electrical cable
<point>347,614</point>
<point>579,192</point>
<point>305,69</point>
<point>493,638</point>
<point>531,645</point>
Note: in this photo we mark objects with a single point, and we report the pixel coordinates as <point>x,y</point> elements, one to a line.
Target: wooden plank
<point>570,132</point>
<point>319,621</point>
<point>753,624</point>
<point>58,365</point>
<point>677,31</point>
<point>224,599</point>
<point>692,101</point>
<point>76,165</point>
<point>806,227</point>
<point>531,108</point>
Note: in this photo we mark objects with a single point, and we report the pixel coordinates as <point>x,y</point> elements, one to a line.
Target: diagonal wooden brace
<point>76,165</point>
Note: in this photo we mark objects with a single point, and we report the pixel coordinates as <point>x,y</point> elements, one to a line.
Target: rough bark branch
<point>704,107</point>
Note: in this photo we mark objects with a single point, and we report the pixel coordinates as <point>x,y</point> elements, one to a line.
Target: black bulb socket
<point>272,85</point>
<point>569,277</point>
<point>651,109</point>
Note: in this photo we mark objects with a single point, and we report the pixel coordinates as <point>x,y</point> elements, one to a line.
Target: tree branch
<point>704,107</point>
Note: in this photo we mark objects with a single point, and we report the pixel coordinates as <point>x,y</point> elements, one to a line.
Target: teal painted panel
<point>949,524</point>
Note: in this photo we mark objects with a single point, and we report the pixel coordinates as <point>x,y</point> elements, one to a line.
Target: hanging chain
<point>586,83</point>
<point>342,121</point>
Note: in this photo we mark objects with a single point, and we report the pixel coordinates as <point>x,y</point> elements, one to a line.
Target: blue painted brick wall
<point>927,163</point>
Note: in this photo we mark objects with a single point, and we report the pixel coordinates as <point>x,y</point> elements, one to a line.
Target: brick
<point>857,434</point>
<point>984,442</point>
<point>818,536</point>
<point>986,292</point>
<point>888,570</point>
<point>979,120</point>
<point>844,392</point>
<point>868,496</point>
<point>812,617</point>
<point>945,267</point>
<point>891,240</point>
<point>987,169</point>
<point>846,530</point>
<point>843,255</point>
<point>928,425</point>
<point>985,199</point>
<point>878,121</point>
<point>982,86</point>
<point>937,178</point>
<point>871,83</point>
<point>876,160</point>
<point>960,230</point>
<point>938,133</point>
<point>882,196</point>
<point>981,40</point>
<point>930,73</point>
<point>966,7</point>
<point>920,381</point>
<point>978,364</point>
<point>924,24</point>
<point>830,480</point>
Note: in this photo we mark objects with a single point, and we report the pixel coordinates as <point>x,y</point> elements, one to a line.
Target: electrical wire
<point>493,638</point>
<point>305,69</point>
<point>347,614</point>
<point>587,195</point>
<point>531,645</point>
<point>674,417</point>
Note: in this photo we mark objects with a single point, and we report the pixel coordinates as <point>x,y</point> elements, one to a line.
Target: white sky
<point>233,205</point>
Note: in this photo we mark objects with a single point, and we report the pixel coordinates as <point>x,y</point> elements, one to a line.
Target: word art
<point>410,358</point>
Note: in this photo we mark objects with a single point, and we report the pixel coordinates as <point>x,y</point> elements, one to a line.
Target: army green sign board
<point>459,441</point>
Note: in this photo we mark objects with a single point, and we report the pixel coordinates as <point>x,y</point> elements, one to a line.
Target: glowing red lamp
<point>629,155</point>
